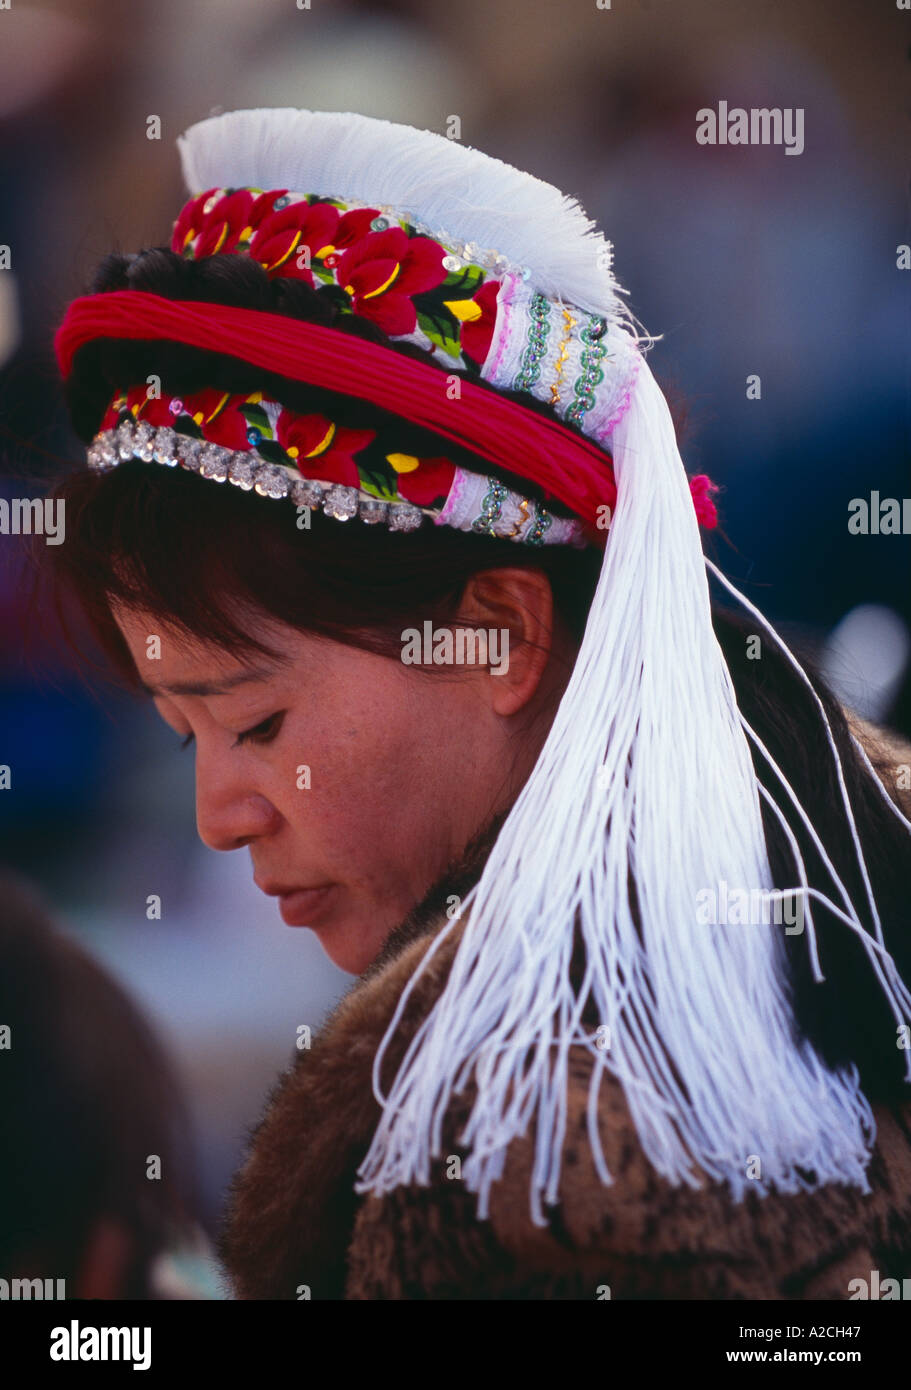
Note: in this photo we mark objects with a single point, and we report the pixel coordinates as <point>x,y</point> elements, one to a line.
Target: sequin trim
<point>591,375</point>
<point>536,347</point>
<point>491,507</point>
<point>542,524</point>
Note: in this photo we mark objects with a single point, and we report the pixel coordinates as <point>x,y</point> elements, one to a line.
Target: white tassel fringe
<point>646,776</point>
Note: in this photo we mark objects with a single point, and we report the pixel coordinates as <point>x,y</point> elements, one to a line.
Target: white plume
<point>452,188</point>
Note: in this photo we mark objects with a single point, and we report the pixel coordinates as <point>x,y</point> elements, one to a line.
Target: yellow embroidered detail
<point>323,445</point>
<point>403,463</point>
<point>523,508</point>
<point>465,310</point>
<point>382,289</point>
<point>569,323</point>
<point>221,405</point>
<point>288,254</point>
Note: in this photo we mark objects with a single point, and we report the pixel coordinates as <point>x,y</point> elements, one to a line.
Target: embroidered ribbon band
<point>554,458</point>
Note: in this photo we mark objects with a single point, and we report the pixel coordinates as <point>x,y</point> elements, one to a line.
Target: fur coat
<point>295,1228</point>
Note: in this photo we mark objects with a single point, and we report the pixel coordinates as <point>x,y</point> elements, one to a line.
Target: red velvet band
<point>561,462</point>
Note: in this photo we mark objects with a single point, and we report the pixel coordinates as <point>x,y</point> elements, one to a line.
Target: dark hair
<point>172,543</point>
<point>846,1017</point>
<point>86,1095</point>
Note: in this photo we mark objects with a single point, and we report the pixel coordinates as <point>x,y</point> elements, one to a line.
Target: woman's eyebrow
<point>257,673</point>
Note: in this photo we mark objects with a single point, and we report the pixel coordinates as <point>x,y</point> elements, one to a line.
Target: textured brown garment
<point>293,1218</point>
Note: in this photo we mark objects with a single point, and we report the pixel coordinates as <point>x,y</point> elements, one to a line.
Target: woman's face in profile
<point>353,779</point>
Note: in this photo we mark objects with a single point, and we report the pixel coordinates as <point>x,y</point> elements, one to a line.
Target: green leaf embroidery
<point>272,452</point>
<point>468,281</point>
<point>380,480</point>
<point>257,418</point>
<point>442,329</point>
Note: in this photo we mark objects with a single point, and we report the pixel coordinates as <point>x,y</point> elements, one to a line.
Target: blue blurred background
<point>746,260</point>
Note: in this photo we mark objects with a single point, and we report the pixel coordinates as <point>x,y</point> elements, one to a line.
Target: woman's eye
<point>262,733</point>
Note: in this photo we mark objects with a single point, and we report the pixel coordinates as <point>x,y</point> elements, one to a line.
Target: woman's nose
<point>230,811</point>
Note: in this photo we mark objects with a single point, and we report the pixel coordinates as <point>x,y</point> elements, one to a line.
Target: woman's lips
<point>305,907</point>
<point>299,907</point>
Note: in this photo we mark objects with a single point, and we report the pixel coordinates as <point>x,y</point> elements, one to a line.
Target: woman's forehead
<point>178,656</point>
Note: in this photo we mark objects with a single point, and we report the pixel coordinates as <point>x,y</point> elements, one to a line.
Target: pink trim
<point>504,300</point>
<point>449,505</point>
<point>604,430</point>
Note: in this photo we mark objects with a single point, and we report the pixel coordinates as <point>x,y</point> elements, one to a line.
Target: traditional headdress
<point>644,794</point>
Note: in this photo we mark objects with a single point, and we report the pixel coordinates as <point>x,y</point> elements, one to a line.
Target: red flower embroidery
<point>430,480</point>
<point>153,410</point>
<point>218,416</point>
<point>215,412</point>
<point>383,270</point>
<point>112,415</point>
<point>322,449</point>
<point>190,221</point>
<point>478,331</point>
<point>219,229</point>
<point>353,227</point>
<point>278,239</point>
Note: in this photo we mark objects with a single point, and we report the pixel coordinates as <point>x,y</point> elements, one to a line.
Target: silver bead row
<point>246,470</point>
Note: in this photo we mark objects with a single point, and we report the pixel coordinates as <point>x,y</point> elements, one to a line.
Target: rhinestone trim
<point>251,473</point>
<point>246,470</point>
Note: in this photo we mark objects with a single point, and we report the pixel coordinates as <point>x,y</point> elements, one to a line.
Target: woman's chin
<point>347,947</point>
<point>337,925</point>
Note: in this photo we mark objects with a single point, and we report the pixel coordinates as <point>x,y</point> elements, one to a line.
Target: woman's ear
<point>515,608</point>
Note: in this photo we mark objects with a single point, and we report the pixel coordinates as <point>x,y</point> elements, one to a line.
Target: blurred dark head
<point>88,1100</point>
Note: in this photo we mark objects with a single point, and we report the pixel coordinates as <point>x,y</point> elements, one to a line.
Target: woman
<point>509,767</point>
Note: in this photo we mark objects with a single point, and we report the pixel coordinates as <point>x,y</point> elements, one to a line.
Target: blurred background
<point>746,261</point>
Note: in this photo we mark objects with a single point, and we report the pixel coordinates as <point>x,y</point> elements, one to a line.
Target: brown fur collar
<point>294,1220</point>
<point>292,1206</point>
